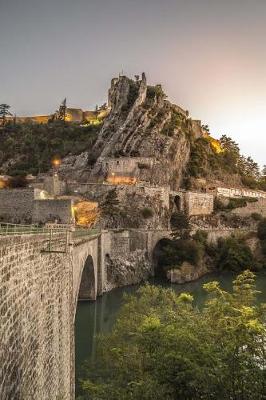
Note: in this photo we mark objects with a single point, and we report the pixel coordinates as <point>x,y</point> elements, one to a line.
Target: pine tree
<point>4,112</point>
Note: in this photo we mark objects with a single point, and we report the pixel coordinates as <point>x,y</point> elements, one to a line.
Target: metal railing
<point>17,229</point>
<point>58,237</point>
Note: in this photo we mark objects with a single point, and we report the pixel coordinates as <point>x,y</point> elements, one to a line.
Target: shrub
<point>262,229</point>
<point>256,216</point>
<point>218,205</point>
<point>236,203</point>
<point>147,213</point>
<point>263,246</point>
<point>233,255</point>
<point>175,252</point>
<point>179,220</point>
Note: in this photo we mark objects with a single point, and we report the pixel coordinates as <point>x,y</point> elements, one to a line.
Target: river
<point>99,316</point>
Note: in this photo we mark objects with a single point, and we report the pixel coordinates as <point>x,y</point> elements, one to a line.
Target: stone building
<point>32,205</point>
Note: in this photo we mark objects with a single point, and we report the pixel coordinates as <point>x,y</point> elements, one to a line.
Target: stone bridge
<point>40,285</point>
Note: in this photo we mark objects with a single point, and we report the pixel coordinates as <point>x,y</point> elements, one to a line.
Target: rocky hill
<point>140,123</point>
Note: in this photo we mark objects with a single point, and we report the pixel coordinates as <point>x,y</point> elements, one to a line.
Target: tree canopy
<point>163,347</point>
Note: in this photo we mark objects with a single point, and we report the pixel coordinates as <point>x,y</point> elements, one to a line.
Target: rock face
<point>130,270</point>
<point>186,273</point>
<point>141,123</point>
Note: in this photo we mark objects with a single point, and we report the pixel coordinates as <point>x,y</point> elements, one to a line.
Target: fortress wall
<point>237,192</point>
<point>51,210</point>
<point>35,331</point>
<point>125,165</point>
<point>54,186</point>
<point>198,203</point>
<point>16,205</point>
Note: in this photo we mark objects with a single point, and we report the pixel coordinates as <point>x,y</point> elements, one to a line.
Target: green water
<point>99,316</point>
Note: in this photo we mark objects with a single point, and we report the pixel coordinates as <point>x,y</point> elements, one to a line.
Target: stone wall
<point>16,205</point>
<point>198,203</point>
<point>127,165</point>
<point>31,205</point>
<point>193,203</point>
<point>35,308</point>
<point>237,192</point>
<point>133,198</point>
<point>53,185</point>
<point>51,210</point>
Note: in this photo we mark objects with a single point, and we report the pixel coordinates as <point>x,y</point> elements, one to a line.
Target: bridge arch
<point>85,272</point>
<point>87,287</point>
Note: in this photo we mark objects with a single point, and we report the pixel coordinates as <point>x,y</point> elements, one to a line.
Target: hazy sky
<point>210,56</point>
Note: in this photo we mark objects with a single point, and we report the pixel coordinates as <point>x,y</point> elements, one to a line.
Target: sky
<point>209,55</point>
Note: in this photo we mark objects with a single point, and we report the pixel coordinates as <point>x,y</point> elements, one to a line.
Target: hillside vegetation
<point>206,162</point>
<point>29,148</point>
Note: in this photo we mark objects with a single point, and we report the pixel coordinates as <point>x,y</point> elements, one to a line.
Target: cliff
<point>143,124</point>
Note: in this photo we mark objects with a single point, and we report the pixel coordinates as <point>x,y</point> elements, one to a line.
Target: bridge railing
<point>58,237</point>
<point>18,229</point>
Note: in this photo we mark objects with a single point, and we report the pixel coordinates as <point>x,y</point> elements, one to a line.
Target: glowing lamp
<point>56,162</point>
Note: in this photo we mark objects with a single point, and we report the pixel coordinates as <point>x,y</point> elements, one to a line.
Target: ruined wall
<point>125,164</point>
<point>51,210</point>
<point>35,331</point>
<point>198,203</point>
<point>193,203</point>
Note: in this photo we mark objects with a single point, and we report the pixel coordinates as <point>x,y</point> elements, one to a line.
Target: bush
<point>147,213</point>
<point>174,253</point>
<point>256,216</point>
<point>236,203</point>
<point>262,229</point>
<point>263,246</point>
<point>179,220</point>
<point>32,146</point>
<point>233,255</point>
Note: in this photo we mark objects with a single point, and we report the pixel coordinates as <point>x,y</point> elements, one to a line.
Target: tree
<point>262,229</point>
<point>4,112</point>
<point>232,254</point>
<point>110,208</point>
<point>162,347</point>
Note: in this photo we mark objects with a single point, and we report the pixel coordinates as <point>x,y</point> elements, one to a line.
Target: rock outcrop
<point>142,123</point>
<point>186,273</point>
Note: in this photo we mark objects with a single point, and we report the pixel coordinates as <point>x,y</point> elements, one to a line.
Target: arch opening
<point>162,258</point>
<point>177,201</point>
<point>87,288</point>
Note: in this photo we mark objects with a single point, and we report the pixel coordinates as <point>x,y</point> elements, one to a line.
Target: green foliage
<point>232,254</point>
<point>256,216</point>
<point>262,229</point>
<point>162,347</point>
<point>179,220</point>
<point>34,145</point>
<point>236,203</point>
<point>175,121</point>
<point>173,253</point>
<point>199,158</point>
<point>205,162</point>
<point>110,206</point>
<point>147,213</point>
<point>4,112</point>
